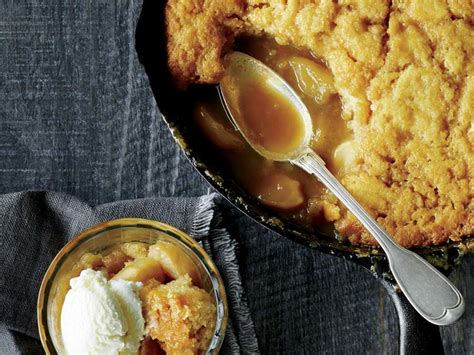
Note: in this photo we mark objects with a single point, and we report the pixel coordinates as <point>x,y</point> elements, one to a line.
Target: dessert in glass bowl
<point>132,286</point>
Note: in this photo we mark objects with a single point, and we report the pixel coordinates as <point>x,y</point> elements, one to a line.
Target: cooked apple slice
<point>141,269</point>
<point>91,261</point>
<point>345,155</point>
<point>174,261</point>
<point>314,80</point>
<point>135,249</point>
<point>278,190</point>
<point>220,135</point>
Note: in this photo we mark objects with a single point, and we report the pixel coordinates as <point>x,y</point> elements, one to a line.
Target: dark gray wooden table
<point>77,115</point>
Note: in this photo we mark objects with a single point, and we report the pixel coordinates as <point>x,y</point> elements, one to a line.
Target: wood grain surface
<point>77,115</point>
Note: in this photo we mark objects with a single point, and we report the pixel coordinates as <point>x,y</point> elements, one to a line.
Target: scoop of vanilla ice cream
<point>101,316</point>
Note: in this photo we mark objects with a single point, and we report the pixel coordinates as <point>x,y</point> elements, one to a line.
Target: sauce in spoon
<point>267,117</point>
<point>269,120</point>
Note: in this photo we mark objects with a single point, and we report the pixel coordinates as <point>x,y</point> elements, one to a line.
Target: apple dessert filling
<point>136,298</point>
<point>389,86</point>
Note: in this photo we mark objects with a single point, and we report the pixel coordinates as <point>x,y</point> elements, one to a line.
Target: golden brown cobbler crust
<point>405,74</point>
<point>197,30</point>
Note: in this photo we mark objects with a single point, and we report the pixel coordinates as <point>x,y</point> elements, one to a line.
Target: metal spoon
<point>430,292</point>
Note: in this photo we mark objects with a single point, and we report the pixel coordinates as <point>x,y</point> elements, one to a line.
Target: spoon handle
<point>429,291</point>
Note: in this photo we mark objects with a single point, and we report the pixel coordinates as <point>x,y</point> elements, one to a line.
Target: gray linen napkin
<point>35,225</point>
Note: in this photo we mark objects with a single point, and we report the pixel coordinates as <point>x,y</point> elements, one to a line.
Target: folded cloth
<point>35,225</point>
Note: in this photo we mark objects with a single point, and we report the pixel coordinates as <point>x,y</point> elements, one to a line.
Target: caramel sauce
<point>266,117</point>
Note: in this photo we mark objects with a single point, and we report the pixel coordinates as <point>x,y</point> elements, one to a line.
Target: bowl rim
<point>218,287</point>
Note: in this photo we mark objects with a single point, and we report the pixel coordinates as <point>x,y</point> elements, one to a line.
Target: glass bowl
<point>103,236</point>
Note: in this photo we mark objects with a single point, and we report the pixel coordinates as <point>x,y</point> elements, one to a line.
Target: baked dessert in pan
<point>396,114</point>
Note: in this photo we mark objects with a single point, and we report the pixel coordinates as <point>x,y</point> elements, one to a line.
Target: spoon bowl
<point>243,70</point>
<point>259,120</point>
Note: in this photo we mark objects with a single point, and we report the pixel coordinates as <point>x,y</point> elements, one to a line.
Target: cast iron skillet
<point>416,334</point>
